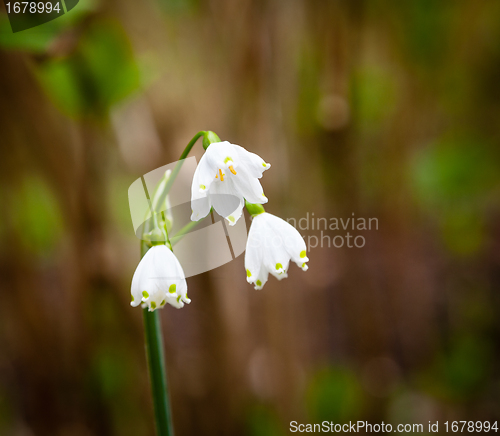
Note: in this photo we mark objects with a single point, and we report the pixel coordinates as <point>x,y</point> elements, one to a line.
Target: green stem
<point>185,230</point>
<point>152,321</point>
<point>157,368</point>
<point>178,166</point>
<point>157,372</point>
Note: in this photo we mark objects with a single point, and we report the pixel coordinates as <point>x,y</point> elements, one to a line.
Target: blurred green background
<point>386,109</point>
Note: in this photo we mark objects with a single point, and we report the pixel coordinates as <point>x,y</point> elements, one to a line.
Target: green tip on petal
<point>162,303</point>
<point>227,159</point>
<point>303,253</point>
<point>178,299</point>
<point>132,298</point>
<point>153,305</point>
<point>264,164</point>
<point>279,266</point>
<point>172,288</point>
<point>258,283</point>
<point>231,218</point>
<point>249,274</point>
<point>203,187</point>
<point>303,265</point>
<point>145,294</point>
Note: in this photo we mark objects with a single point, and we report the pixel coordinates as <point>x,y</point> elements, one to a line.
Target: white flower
<point>271,244</point>
<point>226,175</point>
<point>159,279</point>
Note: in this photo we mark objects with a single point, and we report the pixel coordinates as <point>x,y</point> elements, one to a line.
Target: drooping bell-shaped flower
<point>226,175</point>
<point>271,244</point>
<point>158,280</point>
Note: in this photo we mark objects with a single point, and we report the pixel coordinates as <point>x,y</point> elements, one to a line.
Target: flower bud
<point>157,236</point>
<point>254,209</point>
<point>208,138</point>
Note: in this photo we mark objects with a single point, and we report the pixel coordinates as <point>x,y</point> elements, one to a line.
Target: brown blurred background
<point>384,109</point>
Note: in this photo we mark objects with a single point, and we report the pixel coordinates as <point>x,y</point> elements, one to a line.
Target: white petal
<point>164,264</point>
<point>177,277</point>
<point>271,244</point>
<point>249,187</point>
<point>226,200</point>
<point>182,293</point>
<point>255,270</point>
<point>140,279</point>
<point>157,278</point>
<point>252,162</point>
<point>204,176</point>
<point>240,172</point>
<point>236,215</point>
<point>261,279</point>
<point>292,239</point>
<point>200,207</point>
<point>220,154</point>
<point>275,257</point>
<point>155,293</point>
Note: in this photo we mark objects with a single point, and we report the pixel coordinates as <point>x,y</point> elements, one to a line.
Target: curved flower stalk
<point>159,217</point>
<point>272,243</point>
<point>158,280</point>
<point>164,206</point>
<point>226,175</point>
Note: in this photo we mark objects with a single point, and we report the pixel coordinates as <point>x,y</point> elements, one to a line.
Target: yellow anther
<point>232,169</point>
<point>221,175</point>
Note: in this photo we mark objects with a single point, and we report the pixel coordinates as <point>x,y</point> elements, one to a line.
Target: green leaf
<point>58,79</point>
<point>101,72</point>
<point>37,216</point>
<point>110,62</point>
